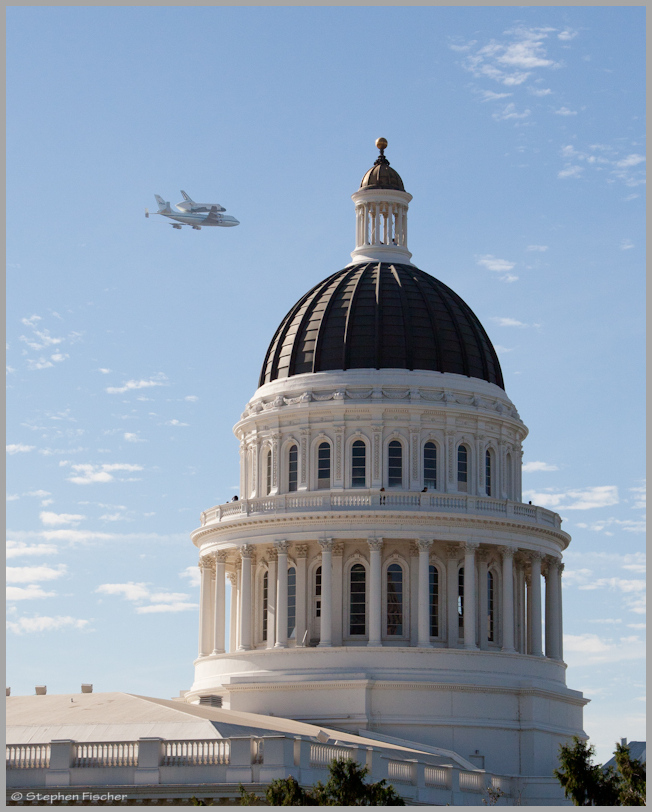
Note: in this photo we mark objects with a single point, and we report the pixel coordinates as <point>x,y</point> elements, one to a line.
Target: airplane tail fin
<point>162,204</point>
<point>187,197</point>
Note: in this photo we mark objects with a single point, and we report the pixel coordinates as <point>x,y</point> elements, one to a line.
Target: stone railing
<point>145,767</point>
<point>28,756</point>
<point>382,501</point>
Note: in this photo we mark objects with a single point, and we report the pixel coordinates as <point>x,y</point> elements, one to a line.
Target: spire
<point>381,205</point>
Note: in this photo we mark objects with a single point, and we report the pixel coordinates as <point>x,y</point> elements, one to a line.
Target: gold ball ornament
<point>381,143</point>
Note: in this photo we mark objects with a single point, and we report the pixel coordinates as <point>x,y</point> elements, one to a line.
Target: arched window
<point>358,596</point>
<point>430,466</point>
<point>358,464</point>
<point>395,464</point>
<point>394,599</point>
<point>460,602</point>
<point>324,466</point>
<point>462,468</point>
<point>487,472</point>
<point>293,468</point>
<point>510,476</point>
<point>434,600</point>
<point>265,592</point>
<point>268,466</point>
<point>292,602</point>
<point>490,607</point>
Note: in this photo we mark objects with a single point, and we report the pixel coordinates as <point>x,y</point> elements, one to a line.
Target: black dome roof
<point>377,315</point>
<point>382,176</point>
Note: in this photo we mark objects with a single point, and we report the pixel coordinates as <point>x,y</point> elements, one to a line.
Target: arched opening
<point>395,464</point>
<point>358,600</point>
<point>268,473</point>
<point>324,466</point>
<point>433,574</point>
<point>430,466</point>
<point>292,602</point>
<point>490,607</point>
<point>488,472</point>
<point>358,464</point>
<point>293,468</point>
<point>394,600</point>
<point>462,468</point>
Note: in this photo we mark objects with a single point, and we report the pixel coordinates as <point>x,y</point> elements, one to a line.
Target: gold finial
<point>381,143</point>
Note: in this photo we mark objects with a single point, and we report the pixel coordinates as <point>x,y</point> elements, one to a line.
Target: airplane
<point>188,204</point>
<point>196,220</point>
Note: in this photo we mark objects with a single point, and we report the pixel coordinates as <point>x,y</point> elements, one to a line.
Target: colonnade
<point>381,224</point>
<point>520,616</point>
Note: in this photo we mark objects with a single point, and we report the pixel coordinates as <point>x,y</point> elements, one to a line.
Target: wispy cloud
<point>530,467</point>
<point>20,548</point>
<point>60,518</point>
<point>625,245</point>
<point>510,112</point>
<point>193,575</point>
<point>86,473</point>
<point>570,172</point>
<point>156,380</point>
<point>132,437</point>
<point>606,159</point>
<point>45,624</point>
<point>630,525</point>
<point>27,593</point>
<point>565,111</point>
<point>590,649</point>
<point>508,322</point>
<point>566,35</point>
<point>539,248</point>
<point>19,448</point>
<point>158,601</point>
<point>596,497</point>
<point>29,575</point>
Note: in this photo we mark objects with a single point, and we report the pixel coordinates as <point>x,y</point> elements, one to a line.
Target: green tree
<point>345,787</point>
<point>588,784</point>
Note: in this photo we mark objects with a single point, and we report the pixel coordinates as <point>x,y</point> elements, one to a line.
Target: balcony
<point>365,500</point>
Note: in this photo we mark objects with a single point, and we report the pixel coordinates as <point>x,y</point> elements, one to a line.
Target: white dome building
<point>385,575</point>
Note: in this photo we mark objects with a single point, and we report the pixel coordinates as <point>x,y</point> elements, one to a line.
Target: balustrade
<point>106,754</point>
<point>28,756</point>
<point>192,752</point>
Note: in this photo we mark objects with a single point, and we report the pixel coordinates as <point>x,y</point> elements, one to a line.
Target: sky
<point>132,347</point>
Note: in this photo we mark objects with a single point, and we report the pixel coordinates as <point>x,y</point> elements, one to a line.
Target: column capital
<point>561,566</point>
<point>453,551</point>
<point>553,561</point>
<point>375,544</point>
<point>246,551</point>
<point>424,545</point>
<point>232,578</point>
<point>281,546</point>
<point>507,552</point>
<point>470,547</point>
<point>207,562</point>
<point>221,556</point>
<point>301,550</point>
<point>535,555</point>
<point>326,545</point>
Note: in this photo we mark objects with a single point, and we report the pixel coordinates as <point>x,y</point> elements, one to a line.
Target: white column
<point>520,606</point>
<point>535,558</point>
<point>424,593</point>
<point>204,606</point>
<point>220,607</point>
<point>553,607</point>
<point>276,463</point>
<point>469,595</point>
<point>453,553</point>
<point>282,595</point>
<point>483,600</point>
<point>326,617</point>
<point>246,553</point>
<point>337,562</point>
<point>233,619</point>
<point>301,551</point>
<point>560,613</point>
<point>528,613</point>
<point>272,598</point>
<point>508,599</point>
<point>375,592</point>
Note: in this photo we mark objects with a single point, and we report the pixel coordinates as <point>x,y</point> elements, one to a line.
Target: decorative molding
<point>326,545</point>
<point>453,551</point>
<point>247,551</point>
<point>221,556</point>
<point>375,544</point>
<point>507,552</point>
<point>281,547</point>
<point>301,550</point>
<point>338,549</point>
<point>233,578</point>
<point>470,547</point>
<point>424,545</point>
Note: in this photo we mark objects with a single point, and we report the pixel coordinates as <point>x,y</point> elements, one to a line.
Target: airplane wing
<point>212,216</point>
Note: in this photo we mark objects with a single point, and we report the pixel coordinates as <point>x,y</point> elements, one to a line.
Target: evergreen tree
<point>589,784</point>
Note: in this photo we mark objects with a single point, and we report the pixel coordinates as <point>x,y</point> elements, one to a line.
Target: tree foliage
<point>588,784</point>
<point>345,787</point>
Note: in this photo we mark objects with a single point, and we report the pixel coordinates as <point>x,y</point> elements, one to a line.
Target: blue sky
<point>133,348</point>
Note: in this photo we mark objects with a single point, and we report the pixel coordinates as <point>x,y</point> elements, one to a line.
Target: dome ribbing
<point>379,315</point>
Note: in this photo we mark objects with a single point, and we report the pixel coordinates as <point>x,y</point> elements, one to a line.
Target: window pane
<point>490,607</point>
<point>265,587</point>
<point>430,466</point>
<point>292,601</point>
<point>358,614</point>
<point>293,468</point>
<point>324,465</point>
<point>434,601</point>
<point>487,471</point>
<point>358,464</point>
<point>395,464</point>
<point>269,472</point>
<point>460,602</point>
<point>318,592</point>
<point>394,599</point>
<point>461,463</point>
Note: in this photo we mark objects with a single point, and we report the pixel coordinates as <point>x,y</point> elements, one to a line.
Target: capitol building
<point>391,597</point>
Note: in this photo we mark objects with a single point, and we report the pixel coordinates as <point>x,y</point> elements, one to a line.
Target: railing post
<point>150,757</point>
<point>278,758</point>
<point>62,756</point>
<point>239,768</point>
<point>454,783</point>
<point>509,508</point>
